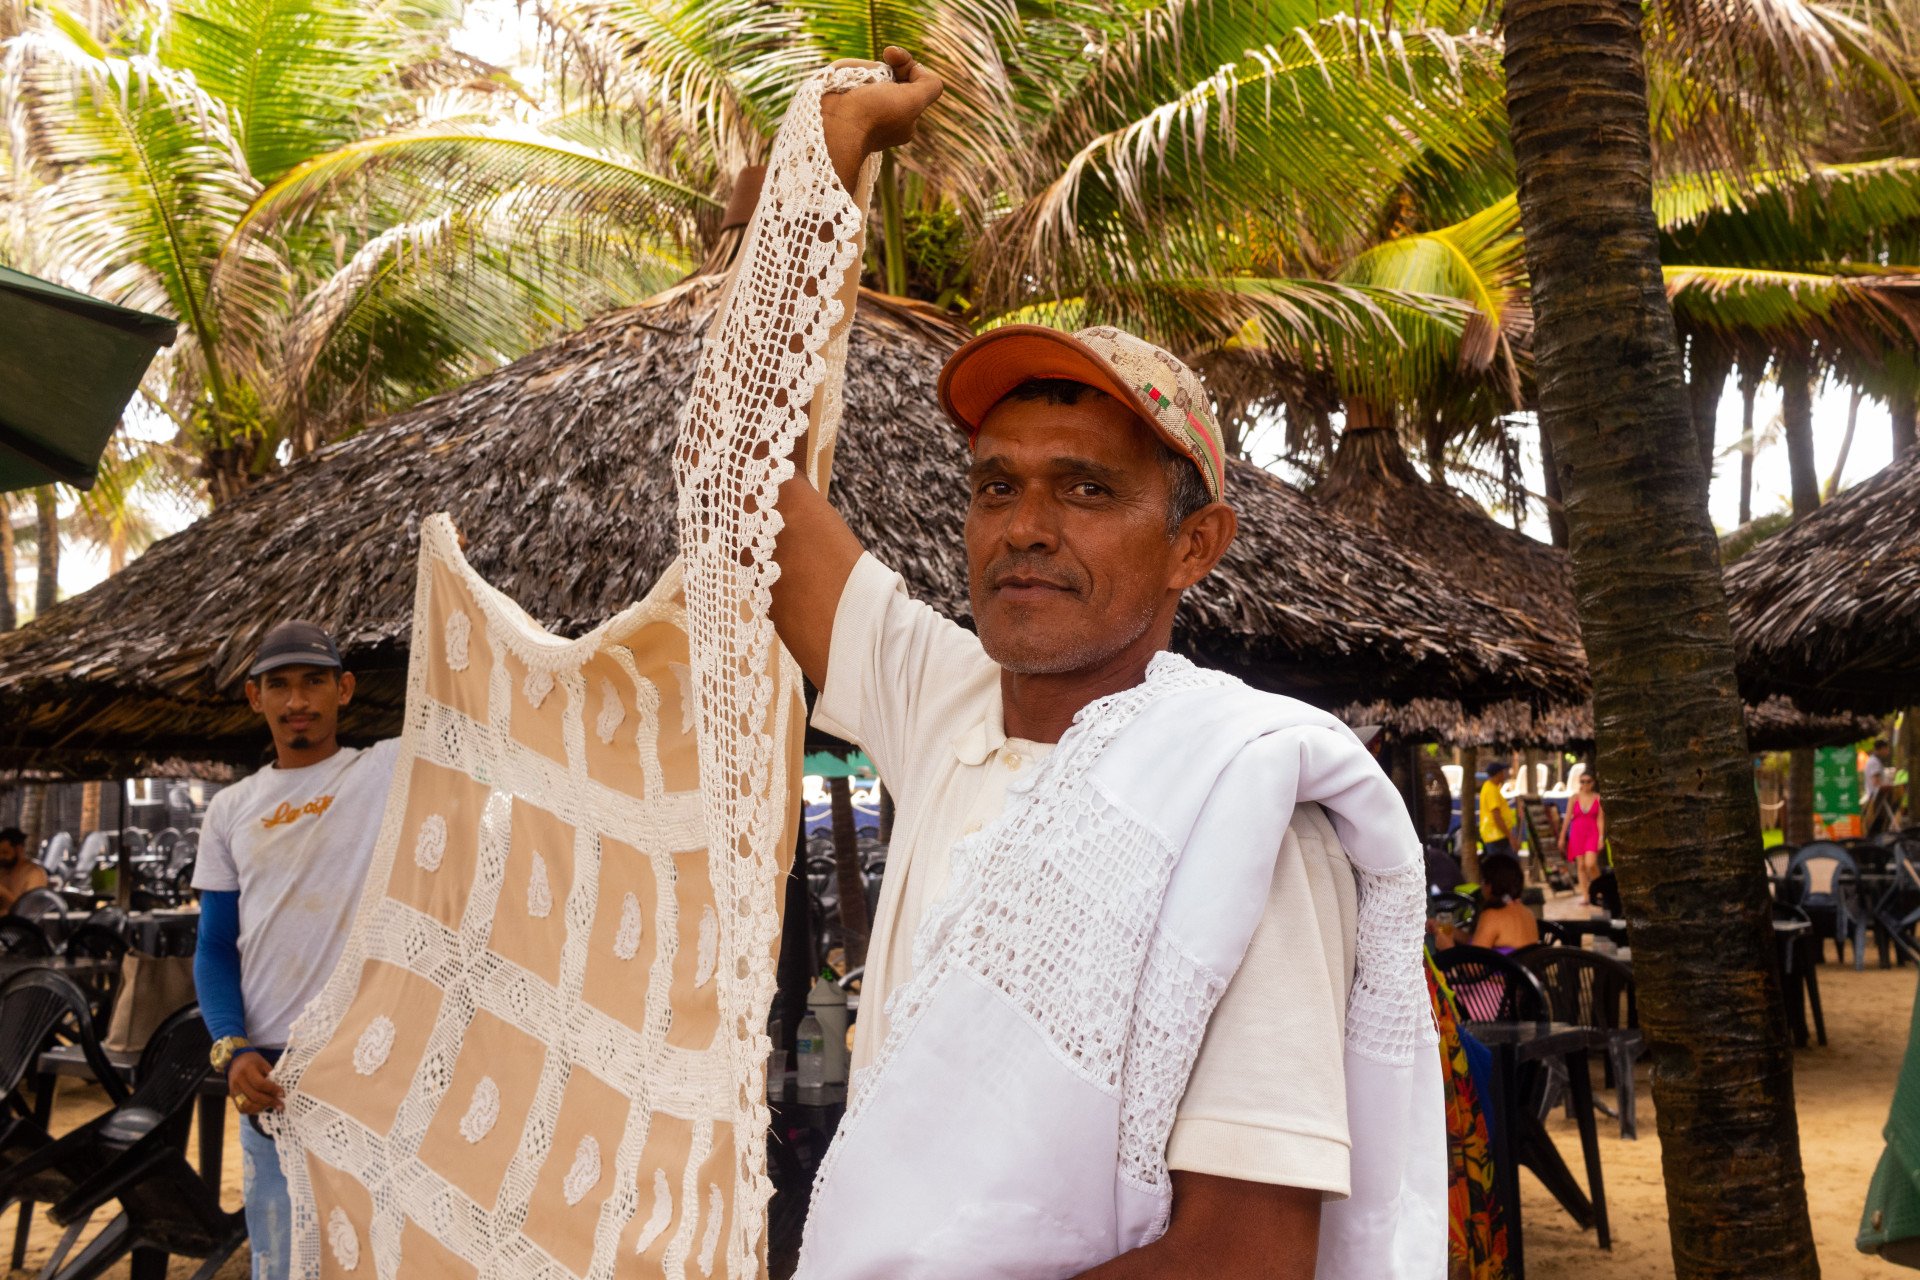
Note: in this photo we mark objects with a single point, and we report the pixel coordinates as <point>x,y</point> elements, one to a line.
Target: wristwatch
<point>224,1048</point>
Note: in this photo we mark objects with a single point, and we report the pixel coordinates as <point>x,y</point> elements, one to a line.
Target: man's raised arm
<point>816,551</point>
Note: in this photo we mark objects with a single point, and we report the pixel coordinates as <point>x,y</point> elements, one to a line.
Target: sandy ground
<point>1843,1091</point>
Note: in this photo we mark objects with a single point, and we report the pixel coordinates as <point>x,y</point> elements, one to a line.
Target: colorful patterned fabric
<point>1476,1228</point>
<point>1153,381</point>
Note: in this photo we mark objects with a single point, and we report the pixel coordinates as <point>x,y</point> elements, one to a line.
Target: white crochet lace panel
<point>343,1240</point>
<point>459,635</point>
<point>626,940</point>
<point>483,1110</point>
<point>1056,905</point>
<point>584,1176</point>
<point>716,1206</point>
<point>375,1043</point>
<point>683,676</point>
<point>431,845</point>
<point>450,962</point>
<point>659,1216</point>
<point>612,712</point>
<point>539,890</point>
<point>1389,1017</point>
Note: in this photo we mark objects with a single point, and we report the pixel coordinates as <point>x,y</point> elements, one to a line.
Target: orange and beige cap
<point>1165,393</point>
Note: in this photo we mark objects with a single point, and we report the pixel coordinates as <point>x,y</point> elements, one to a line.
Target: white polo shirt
<point>1267,1098</point>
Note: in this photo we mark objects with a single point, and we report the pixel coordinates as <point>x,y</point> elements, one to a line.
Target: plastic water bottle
<point>810,1053</point>
<point>827,1002</point>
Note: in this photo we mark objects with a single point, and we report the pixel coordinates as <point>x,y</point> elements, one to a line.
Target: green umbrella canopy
<point>68,365</point>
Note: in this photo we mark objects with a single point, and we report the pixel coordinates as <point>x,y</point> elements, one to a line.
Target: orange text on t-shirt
<point>286,813</point>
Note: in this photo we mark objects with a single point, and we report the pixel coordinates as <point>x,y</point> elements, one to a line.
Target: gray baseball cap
<point>295,644</point>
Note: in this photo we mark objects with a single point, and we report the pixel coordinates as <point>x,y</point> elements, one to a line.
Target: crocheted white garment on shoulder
<point>541,1053</point>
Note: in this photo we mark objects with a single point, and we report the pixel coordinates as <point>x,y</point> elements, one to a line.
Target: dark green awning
<point>68,365</point>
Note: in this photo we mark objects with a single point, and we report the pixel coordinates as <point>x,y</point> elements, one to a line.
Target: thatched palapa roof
<point>1828,610</point>
<point>556,468</point>
<point>1479,559</point>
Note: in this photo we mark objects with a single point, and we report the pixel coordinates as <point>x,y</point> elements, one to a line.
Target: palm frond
<point>151,176</point>
<point>299,77</point>
<point>1477,261</point>
<point>1864,212</point>
<point>1735,83</point>
<point>1851,309</point>
<point>1296,142</point>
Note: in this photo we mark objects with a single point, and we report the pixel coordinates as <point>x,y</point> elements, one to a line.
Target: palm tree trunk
<point>847,878</point>
<point>1667,712</point>
<point>1706,379</point>
<point>1910,724</point>
<point>1796,422</point>
<point>33,815</point>
<point>1796,821</point>
<point>1434,434</point>
<point>1749,387</point>
<point>89,808</point>
<point>9,576</point>
<point>1469,814</point>
<point>1556,514</point>
<point>46,586</point>
<point>1846,447</point>
<point>1904,409</point>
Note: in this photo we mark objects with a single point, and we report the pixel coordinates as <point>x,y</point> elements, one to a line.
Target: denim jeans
<point>269,1208</point>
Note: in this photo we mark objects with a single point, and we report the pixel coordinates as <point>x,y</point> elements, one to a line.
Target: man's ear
<point>1203,538</point>
<point>346,687</point>
<point>253,695</point>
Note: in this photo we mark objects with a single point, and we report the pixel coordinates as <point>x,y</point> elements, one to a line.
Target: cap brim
<point>981,373</point>
<point>279,660</point>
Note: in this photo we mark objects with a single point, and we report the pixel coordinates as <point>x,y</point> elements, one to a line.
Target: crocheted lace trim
<point>1055,904</point>
<point>772,350</point>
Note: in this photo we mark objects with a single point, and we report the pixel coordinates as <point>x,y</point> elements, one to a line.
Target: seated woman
<point>1504,923</point>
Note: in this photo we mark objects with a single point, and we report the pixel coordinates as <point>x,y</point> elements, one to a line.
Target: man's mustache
<point>1037,568</point>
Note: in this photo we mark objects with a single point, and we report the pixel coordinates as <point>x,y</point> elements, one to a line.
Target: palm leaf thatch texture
<point>1828,610</point>
<point>1774,725</point>
<point>556,469</point>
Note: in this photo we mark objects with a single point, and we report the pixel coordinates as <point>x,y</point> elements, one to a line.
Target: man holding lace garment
<point>1149,945</point>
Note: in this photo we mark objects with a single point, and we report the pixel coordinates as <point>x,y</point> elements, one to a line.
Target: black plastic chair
<point>23,938</point>
<point>1591,990</point>
<point>98,942</point>
<point>135,1154</point>
<point>37,1007</point>
<point>112,918</point>
<point>1553,933</point>
<point>1490,987</point>
<point>1798,957</point>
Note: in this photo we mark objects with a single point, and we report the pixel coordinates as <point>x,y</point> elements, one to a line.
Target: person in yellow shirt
<point>1497,819</point>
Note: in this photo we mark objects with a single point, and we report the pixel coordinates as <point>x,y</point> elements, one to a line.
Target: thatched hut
<point>1374,484</point>
<point>1501,572</point>
<point>1827,611</point>
<point>556,469</point>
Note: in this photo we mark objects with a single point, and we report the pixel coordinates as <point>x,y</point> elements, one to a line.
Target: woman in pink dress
<point>1585,832</point>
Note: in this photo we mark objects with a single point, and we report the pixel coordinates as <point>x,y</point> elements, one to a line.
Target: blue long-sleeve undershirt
<point>216,964</point>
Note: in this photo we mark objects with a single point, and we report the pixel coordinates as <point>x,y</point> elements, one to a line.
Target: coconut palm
<point>147,144</point>
<point>1613,400</point>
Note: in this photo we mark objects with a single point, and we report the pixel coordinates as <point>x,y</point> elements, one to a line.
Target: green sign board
<point>1836,783</point>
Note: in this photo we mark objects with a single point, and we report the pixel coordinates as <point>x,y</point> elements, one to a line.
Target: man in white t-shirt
<point>282,858</point>
<point>1096,500</point>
